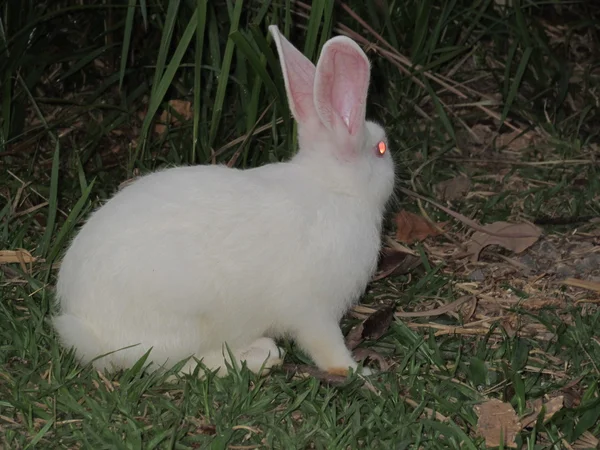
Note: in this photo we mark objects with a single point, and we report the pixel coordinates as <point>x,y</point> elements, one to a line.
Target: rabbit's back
<point>170,232</point>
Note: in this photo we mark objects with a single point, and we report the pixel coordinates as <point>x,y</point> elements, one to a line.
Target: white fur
<point>187,259</point>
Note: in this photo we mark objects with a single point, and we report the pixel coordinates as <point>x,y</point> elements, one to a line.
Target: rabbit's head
<point>329,103</point>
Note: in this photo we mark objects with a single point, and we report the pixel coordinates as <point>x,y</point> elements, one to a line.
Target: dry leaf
<point>584,284</point>
<point>478,135</point>
<point>209,430</point>
<point>572,393</point>
<point>354,336</point>
<point>483,132</point>
<point>552,406</point>
<point>19,256</point>
<point>395,245</point>
<point>160,127</point>
<point>515,140</point>
<point>182,108</point>
<point>362,354</point>
<point>395,262</point>
<point>378,323</point>
<point>453,189</point>
<point>587,441</point>
<point>202,427</point>
<point>372,328</point>
<point>496,419</point>
<point>305,371</point>
<point>412,228</point>
<point>516,237</point>
<point>510,323</point>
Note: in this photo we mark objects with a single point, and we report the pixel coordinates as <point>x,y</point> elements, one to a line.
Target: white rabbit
<point>186,260</point>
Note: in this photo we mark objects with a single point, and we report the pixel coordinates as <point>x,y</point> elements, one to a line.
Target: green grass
<point>82,88</point>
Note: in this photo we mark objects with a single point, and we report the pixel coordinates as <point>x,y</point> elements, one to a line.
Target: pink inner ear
<point>347,97</point>
<point>301,79</point>
<point>299,76</point>
<point>341,86</point>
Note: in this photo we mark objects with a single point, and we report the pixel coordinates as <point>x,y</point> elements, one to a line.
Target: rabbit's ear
<point>299,77</point>
<point>341,85</point>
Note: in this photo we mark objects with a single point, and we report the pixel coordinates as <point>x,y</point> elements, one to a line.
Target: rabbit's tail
<point>76,333</point>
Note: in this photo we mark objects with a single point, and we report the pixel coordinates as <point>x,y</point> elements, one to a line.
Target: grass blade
<point>224,75</point>
<point>127,33</point>
<point>440,109</point>
<point>52,203</point>
<point>70,223</point>
<point>327,23</point>
<point>165,42</point>
<point>514,88</point>
<point>266,51</point>
<point>256,61</point>
<point>85,61</point>
<point>388,25</point>
<point>165,82</point>
<point>200,31</point>
<point>314,24</point>
<point>422,30</point>
<point>40,434</point>
<point>6,106</point>
<point>144,11</point>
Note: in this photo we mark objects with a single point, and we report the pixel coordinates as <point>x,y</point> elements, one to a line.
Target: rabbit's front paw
<point>262,355</point>
<point>342,371</point>
<point>365,371</point>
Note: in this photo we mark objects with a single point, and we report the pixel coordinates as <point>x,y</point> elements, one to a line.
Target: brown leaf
<point>482,133</point>
<point>202,427</point>
<point>551,407</point>
<point>182,109</point>
<point>355,336</point>
<point>510,323</point>
<point>572,393</point>
<point>412,228</point>
<point>516,140</point>
<point>449,307</point>
<point>362,354</point>
<point>584,284</point>
<point>305,371</point>
<point>516,237</point>
<point>378,323</point>
<point>209,430</point>
<point>453,189</point>
<point>396,262</point>
<point>372,328</point>
<point>160,126</point>
<point>496,419</point>
<point>19,256</point>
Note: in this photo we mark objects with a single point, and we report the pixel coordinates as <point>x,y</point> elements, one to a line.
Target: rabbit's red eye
<point>381,148</point>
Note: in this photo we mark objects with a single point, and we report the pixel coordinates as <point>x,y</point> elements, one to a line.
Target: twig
<point>361,309</point>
